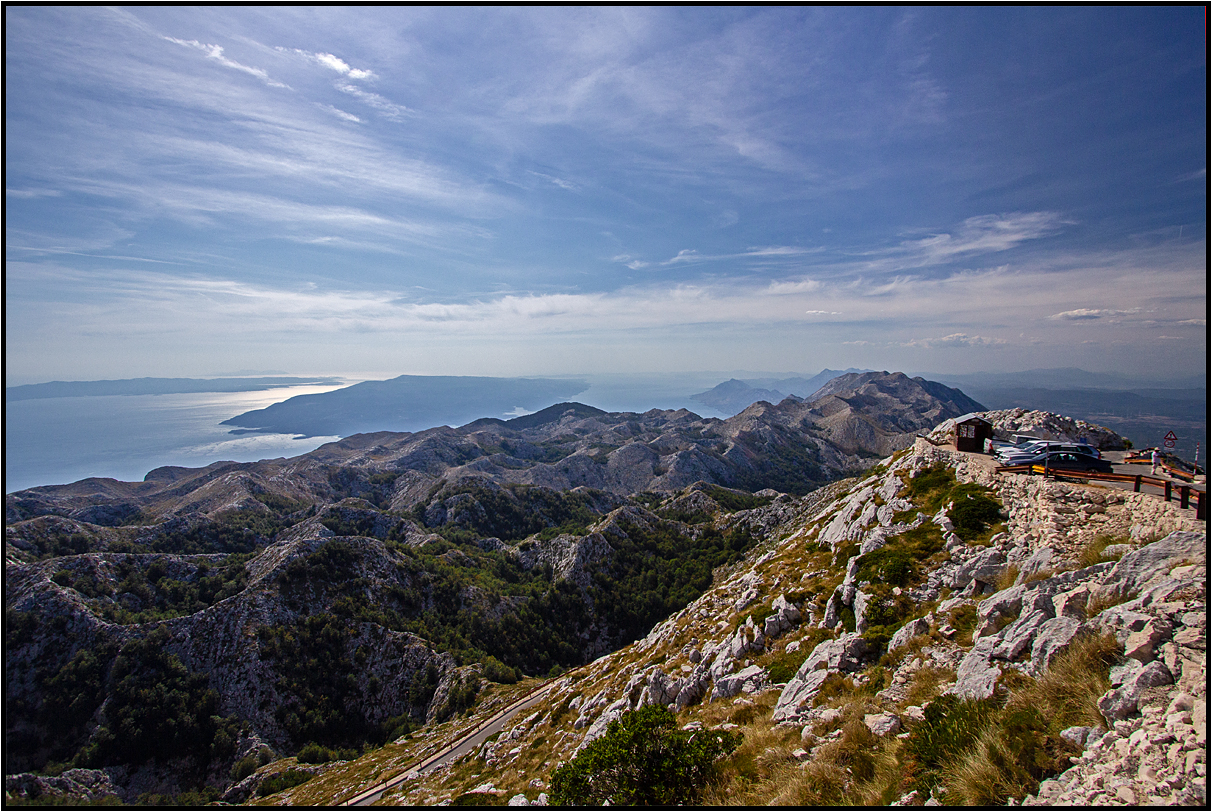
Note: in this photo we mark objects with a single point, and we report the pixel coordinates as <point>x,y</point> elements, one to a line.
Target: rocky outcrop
<point>69,787</point>
<point>1045,425</point>
<point>1026,599</point>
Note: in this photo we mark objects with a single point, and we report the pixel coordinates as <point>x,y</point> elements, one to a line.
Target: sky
<point>520,191</point>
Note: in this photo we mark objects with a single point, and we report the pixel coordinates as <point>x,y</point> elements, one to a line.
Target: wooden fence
<point>1171,489</point>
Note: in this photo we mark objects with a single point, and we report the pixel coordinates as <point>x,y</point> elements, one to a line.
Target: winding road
<point>460,748</point>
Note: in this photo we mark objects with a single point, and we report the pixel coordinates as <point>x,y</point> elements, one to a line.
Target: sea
<point>55,441</point>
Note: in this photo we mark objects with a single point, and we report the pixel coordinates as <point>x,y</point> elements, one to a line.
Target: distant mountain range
<point>406,403</point>
<point>792,447</point>
<point>733,396</point>
<point>1063,378</point>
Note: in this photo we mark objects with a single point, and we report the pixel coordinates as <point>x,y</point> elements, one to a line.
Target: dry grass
<point>1092,553</point>
<point>1007,578</point>
<point>988,775</point>
<point>1104,599</point>
<point>1022,745</point>
<point>1068,692</point>
<point>757,768</point>
<point>1039,575</point>
<point>925,684</point>
<point>887,781</point>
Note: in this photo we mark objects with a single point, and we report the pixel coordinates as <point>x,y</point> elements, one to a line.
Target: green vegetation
<point>950,728</point>
<point>899,562</point>
<point>319,674</point>
<point>145,592</point>
<point>157,710</point>
<point>973,507</point>
<point>656,571</point>
<point>240,531</point>
<point>734,500</point>
<point>985,752</point>
<point>512,512</point>
<point>56,545</point>
<point>784,665</point>
<point>785,464</point>
<point>281,781</point>
<point>643,759</point>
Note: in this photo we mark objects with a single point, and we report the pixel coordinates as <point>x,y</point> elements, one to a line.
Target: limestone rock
<point>1121,702</point>
<point>976,676</point>
<point>747,680</point>
<point>882,724</point>
<point>797,693</point>
<point>1051,639</point>
<point>907,632</point>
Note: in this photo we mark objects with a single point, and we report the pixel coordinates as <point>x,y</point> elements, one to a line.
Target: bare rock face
<point>92,786</point>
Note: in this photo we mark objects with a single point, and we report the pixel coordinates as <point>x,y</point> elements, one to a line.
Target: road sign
<point>1170,439</point>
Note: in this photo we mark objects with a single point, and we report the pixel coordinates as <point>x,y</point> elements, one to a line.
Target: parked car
<point>1057,460</point>
<point>1031,452</point>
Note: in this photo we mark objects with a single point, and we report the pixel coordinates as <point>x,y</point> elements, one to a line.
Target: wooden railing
<point>1170,490</point>
<point>1177,473</point>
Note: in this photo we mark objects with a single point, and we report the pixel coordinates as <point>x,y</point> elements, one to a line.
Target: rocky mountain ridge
<point>791,447</point>
<point>789,647</point>
<point>768,637</point>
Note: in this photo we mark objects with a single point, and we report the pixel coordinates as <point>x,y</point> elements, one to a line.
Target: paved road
<point>457,750</point>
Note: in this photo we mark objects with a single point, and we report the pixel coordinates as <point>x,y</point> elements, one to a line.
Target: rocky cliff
<point>862,616</point>
<point>871,626</point>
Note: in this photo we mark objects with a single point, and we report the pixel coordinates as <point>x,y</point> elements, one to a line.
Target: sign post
<point>1169,440</point>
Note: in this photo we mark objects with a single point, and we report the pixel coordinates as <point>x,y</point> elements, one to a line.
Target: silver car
<point>1035,451</point>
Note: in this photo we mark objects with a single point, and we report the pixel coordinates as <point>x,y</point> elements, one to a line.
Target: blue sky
<point>510,191</point>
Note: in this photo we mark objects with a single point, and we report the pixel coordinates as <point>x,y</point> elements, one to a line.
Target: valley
<point>811,575</point>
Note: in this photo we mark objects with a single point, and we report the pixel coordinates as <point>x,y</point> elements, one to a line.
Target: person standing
<point>1156,459</point>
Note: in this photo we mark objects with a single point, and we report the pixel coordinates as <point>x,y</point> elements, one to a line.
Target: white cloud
<point>331,62</point>
<point>389,109</point>
<point>552,179</point>
<point>955,340</point>
<point>691,255</point>
<point>26,194</point>
<point>339,113</point>
<point>987,233</point>
<point>215,52</point>
<point>1086,313</point>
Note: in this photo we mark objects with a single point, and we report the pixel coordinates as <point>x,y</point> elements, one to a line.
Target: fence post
<point>1184,496</point>
<point>1169,489</point>
<point>1201,505</point>
<point>1136,484</point>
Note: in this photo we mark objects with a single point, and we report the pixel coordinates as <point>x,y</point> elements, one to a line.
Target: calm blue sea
<point>54,441</point>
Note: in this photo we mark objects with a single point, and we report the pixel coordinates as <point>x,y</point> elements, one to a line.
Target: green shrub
<point>286,780</point>
<point>244,768</point>
<point>963,620</point>
<point>313,753</point>
<point>973,511</point>
<point>643,759</point>
<point>950,727</point>
<point>783,667</point>
<point>478,799</point>
<point>497,671</point>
